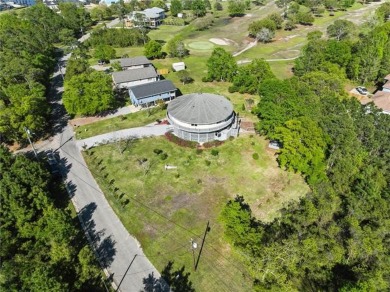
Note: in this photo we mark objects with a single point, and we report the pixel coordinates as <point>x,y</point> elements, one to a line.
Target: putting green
<point>201,46</point>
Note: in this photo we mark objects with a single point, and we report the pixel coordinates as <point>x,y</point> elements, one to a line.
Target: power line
<point>160,215</point>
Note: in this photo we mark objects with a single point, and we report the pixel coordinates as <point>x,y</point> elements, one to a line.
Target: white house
<point>150,17</point>
<point>128,78</point>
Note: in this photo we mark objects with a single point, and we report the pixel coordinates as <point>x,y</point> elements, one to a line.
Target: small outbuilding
<point>203,117</point>
<point>148,94</point>
<point>179,66</point>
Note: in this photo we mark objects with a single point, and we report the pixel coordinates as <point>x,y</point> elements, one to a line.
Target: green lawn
<point>132,120</point>
<point>169,207</point>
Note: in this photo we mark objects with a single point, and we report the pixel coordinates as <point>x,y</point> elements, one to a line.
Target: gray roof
<point>153,12</point>
<point>152,88</point>
<point>200,108</point>
<point>128,62</point>
<point>133,75</point>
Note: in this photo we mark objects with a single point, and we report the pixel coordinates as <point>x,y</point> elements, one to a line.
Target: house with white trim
<point>149,94</point>
<point>128,78</point>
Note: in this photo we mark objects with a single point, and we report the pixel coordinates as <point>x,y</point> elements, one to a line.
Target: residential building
<point>129,78</point>
<point>381,98</point>
<point>150,17</point>
<point>134,63</point>
<point>148,94</point>
<point>203,117</point>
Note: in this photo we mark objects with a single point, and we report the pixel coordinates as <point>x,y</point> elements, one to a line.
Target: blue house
<point>148,94</point>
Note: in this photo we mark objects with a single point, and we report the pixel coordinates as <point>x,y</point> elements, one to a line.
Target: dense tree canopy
<point>336,237</point>
<point>176,7</point>
<point>42,248</point>
<point>221,66</point>
<point>250,76</point>
<point>26,60</point>
<point>88,93</point>
<point>153,50</point>
<point>117,37</point>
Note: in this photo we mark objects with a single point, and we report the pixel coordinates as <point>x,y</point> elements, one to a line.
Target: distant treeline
<point>119,37</point>
<point>335,238</point>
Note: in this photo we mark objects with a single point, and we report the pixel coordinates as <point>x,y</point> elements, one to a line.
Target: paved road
<point>112,241</point>
<point>151,130</point>
<point>114,245</point>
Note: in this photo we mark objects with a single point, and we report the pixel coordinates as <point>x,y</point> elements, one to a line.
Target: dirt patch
<point>247,126</point>
<point>84,121</point>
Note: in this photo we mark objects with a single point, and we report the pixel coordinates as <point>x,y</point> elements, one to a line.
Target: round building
<point>202,117</point>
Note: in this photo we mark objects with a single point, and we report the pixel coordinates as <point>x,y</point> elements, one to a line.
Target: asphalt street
<point>113,244</point>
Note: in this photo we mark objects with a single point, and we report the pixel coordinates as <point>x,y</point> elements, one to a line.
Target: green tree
<point>221,66</point>
<point>176,48</point>
<point>176,7</point>
<point>184,77</point>
<point>265,35</point>
<point>341,29</point>
<point>256,26</point>
<point>66,36</point>
<point>75,17</point>
<point>88,94</point>
<point>153,50</point>
<point>304,146</point>
<point>40,242</point>
<point>249,77</point>
<point>198,7</point>
<point>218,6</point>
<point>160,4</point>
<point>104,52</point>
<point>236,7</point>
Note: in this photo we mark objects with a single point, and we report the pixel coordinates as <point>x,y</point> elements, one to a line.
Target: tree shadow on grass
<point>170,280</point>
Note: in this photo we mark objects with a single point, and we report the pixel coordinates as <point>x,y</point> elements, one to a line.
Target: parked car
<point>53,164</point>
<point>362,90</point>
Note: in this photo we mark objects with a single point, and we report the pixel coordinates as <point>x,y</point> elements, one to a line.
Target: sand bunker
<point>221,42</point>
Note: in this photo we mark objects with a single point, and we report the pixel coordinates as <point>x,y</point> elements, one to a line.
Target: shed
<point>178,66</point>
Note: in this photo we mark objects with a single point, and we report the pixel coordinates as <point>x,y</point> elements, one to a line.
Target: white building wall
<point>136,82</point>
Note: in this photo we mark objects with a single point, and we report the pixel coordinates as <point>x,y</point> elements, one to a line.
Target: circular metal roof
<point>200,108</point>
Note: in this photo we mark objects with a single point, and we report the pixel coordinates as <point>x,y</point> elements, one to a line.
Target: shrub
<point>158,151</point>
<point>164,156</point>
<point>177,175</point>
<point>211,144</point>
<point>199,151</point>
<point>171,137</point>
<point>208,162</point>
<point>214,152</point>
<point>255,156</point>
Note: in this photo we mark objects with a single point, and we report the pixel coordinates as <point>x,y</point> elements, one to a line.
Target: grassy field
<point>167,208</point>
<point>132,120</point>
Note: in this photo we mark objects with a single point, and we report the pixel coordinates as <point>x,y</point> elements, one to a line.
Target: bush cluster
<point>211,144</point>
<point>171,137</point>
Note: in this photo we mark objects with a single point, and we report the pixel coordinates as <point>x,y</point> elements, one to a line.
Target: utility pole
<point>128,268</point>
<point>201,247</point>
<point>31,143</point>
